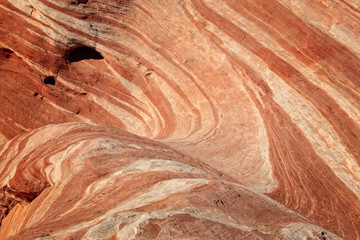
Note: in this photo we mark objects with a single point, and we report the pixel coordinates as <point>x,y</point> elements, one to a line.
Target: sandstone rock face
<point>79,181</point>
<point>180,119</point>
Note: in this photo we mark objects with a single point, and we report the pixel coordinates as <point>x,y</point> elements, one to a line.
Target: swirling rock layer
<point>263,93</point>
<point>79,181</point>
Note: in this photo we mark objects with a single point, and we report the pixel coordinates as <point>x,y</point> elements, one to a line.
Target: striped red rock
<point>79,181</point>
<point>265,92</point>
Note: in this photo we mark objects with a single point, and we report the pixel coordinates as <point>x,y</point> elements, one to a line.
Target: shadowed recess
<point>77,2</point>
<point>7,50</point>
<point>82,53</point>
<point>50,80</point>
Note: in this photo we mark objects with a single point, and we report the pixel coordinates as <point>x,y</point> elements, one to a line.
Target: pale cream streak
<point>40,137</point>
<point>127,118</point>
<point>134,221</point>
<point>55,177</point>
<point>346,37</point>
<point>74,155</point>
<point>299,231</point>
<point>131,220</point>
<point>21,153</point>
<point>144,166</point>
<point>265,180</point>
<point>56,174</point>
<point>186,86</point>
<point>32,64</point>
<point>354,3</point>
<point>184,125</point>
<point>50,31</point>
<point>25,8</point>
<point>335,29</point>
<point>141,166</point>
<point>21,127</point>
<point>36,137</point>
<point>255,89</point>
<point>85,149</point>
<point>192,86</point>
<point>157,193</point>
<point>6,148</point>
<point>60,33</point>
<point>155,57</point>
<point>246,153</point>
<point>267,199</point>
<point>114,110</point>
<point>83,25</point>
<point>316,128</point>
<point>265,39</point>
<point>323,138</point>
<point>50,42</point>
<point>132,124</point>
<point>3,139</point>
<point>105,105</point>
<point>152,122</point>
<point>23,5</point>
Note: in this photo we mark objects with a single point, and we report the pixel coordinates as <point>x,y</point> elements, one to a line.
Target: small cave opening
<point>50,80</point>
<point>83,53</point>
<point>7,52</point>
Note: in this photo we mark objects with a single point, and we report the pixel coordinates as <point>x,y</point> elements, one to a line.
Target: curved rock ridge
<point>79,181</point>
<point>264,91</point>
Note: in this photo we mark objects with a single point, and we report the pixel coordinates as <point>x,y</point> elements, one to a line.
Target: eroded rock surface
<point>264,93</point>
<point>79,181</point>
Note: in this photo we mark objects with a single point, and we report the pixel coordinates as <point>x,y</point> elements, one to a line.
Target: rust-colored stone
<point>246,112</point>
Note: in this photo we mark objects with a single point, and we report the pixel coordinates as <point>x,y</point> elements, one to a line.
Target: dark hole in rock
<point>77,2</point>
<point>49,80</point>
<point>7,50</point>
<point>7,56</point>
<point>35,94</point>
<point>82,53</point>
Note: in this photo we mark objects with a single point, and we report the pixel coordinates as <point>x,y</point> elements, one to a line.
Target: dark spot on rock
<point>7,56</point>
<point>42,97</point>
<point>44,235</point>
<point>148,74</point>
<point>84,17</point>
<point>78,111</point>
<point>7,50</point>
<point>35,94</point>
<point>77,2</point>
<point>82,53</point>
<point>50,80</point>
